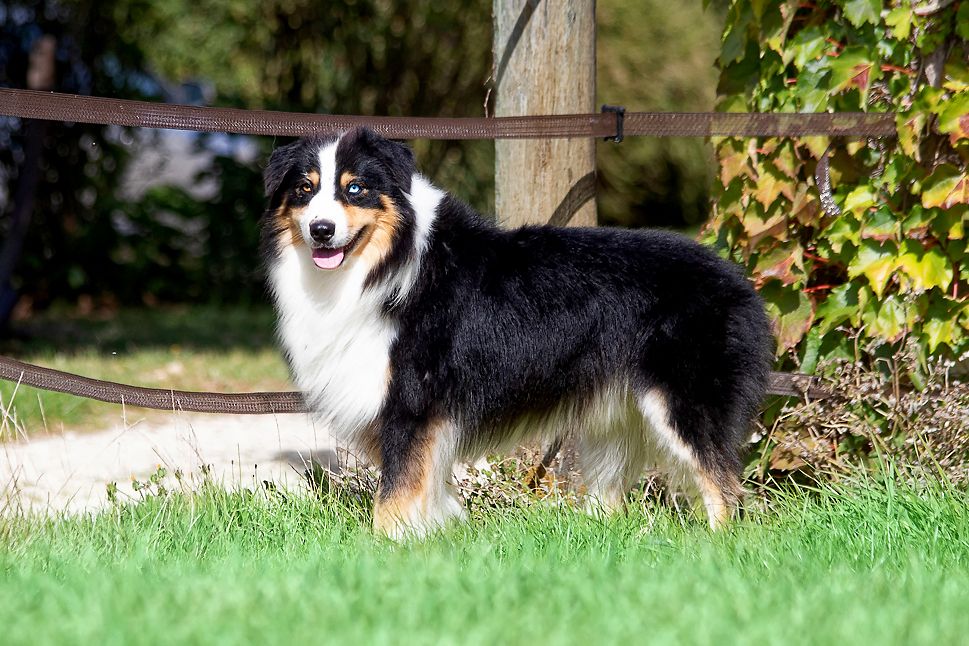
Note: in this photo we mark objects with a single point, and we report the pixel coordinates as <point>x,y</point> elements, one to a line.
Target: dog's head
<point>338,198</point>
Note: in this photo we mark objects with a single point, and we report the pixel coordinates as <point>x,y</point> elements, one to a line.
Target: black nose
<point>322,230</point>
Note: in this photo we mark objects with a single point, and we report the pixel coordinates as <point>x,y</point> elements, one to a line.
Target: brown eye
<point>305,186</point>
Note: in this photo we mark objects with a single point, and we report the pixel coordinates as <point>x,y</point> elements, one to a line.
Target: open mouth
<point>332,258</point>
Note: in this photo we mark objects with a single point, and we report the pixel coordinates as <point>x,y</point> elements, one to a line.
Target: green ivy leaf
<point>844,303</point>
<point>786,161</point>
<point>876,262</point>
<point>758,7</point>
<point>779,264</point>
<point>791,311</point>
<point>734,161</point>
<point>927,268</point>
<point>732,103</point>
<point>734,43</point>
<point>954,116</point>
<point>900,20</point>
<point>805,207</point>
<point>812,351</point>
<point>949,224</point>
<point>880,225</point>
<point>896,173</point>
<point>956,76</point>
<point>858,12</point>
<point>758,226</point>
<point>910,126</point>
<point>816,145</point>
<point>853,68</point>
<point>771,183</point>
<point>945,188</point>
<point>842,230</point>
<point>941,324</point>
<point>928,99</point>
<point>806,46</point>
<point>742,76</point>
<point>890,318</point>
<point>859,200</point>
<point>918,222</point>
<point>775,23</point>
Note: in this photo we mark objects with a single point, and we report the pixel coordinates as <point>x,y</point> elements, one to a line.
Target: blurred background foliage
<point>122,218</point>
<point>655,56</point>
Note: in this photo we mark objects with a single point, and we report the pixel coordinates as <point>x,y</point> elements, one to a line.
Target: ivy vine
<point>891,267</point>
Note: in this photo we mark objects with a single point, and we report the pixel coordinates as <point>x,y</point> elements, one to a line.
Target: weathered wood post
<point>545,63</point>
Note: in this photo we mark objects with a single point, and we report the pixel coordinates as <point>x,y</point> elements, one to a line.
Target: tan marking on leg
<point>424,498</point>
<point>719,500</point>
<point>391,517</point>
<point>719,493</point>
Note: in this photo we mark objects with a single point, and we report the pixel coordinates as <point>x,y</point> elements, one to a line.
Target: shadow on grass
<point>321,459</point>
<point>128,330</point>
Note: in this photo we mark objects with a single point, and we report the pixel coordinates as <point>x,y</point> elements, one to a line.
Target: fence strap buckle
<point>620,113</point>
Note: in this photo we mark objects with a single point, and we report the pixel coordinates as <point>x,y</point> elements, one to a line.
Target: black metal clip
<point>620,112</point>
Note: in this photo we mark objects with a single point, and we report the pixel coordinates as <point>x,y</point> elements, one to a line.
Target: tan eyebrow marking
<point>346,178</point>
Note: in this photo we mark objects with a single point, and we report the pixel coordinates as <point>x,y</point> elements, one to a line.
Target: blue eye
<point>354,189</point>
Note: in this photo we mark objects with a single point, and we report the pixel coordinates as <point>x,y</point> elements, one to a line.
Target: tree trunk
<point>40,76</point>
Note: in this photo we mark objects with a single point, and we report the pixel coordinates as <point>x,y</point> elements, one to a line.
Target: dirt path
<point>71,472</point>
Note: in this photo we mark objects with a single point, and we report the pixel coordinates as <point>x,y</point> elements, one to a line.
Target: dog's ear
<point>396,157</point>
<point>280,162</point>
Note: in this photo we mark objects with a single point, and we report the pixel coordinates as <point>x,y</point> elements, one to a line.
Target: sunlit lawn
<point>869,563</point>
<point>874,561</point>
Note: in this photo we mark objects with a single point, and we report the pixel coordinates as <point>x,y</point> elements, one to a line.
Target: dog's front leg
<point>416,494</point>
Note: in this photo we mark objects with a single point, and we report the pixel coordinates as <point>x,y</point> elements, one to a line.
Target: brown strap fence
<point>611,123</point>
<point>250,403</point>
<point>54,106</point>
<point>158,398</point>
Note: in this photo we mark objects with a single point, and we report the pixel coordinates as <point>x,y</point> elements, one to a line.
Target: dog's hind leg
<point>416,493</point>
<point>701,462</point>
<point>611,451</point>
<point>609,469</point>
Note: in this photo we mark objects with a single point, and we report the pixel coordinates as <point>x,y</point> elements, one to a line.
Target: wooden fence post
<point>545,63</point>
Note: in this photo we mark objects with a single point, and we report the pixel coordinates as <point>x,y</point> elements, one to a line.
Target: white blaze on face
<point>334,331</point>
<point>324,205</point>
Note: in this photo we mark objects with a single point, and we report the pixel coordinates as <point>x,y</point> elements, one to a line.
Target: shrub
<point>890,268</point>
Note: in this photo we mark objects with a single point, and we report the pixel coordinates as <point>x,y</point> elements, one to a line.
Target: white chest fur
<point>336,339</point>
<point>335,335</point>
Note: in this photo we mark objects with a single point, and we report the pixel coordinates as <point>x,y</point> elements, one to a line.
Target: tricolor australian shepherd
<point>423,334</point>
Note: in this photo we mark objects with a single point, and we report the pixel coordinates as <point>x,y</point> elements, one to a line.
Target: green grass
<point>874,562</point>
<point>186,348</point>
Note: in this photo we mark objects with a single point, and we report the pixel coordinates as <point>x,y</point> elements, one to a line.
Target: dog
<point>423,335</point>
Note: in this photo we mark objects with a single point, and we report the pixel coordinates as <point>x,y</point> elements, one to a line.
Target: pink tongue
<point>328,258</point>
